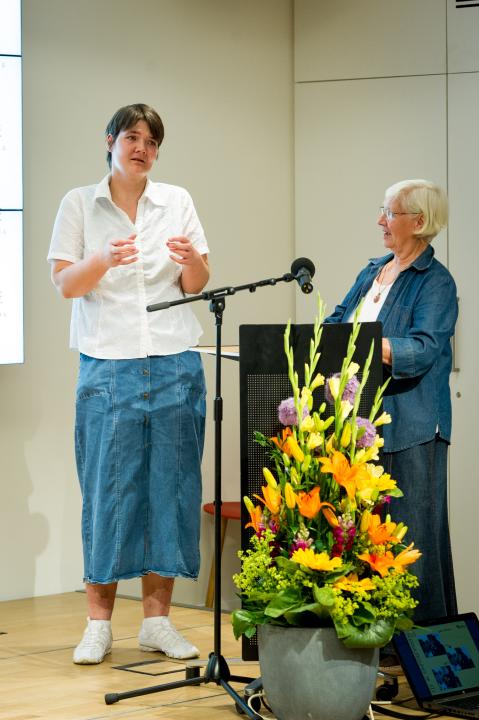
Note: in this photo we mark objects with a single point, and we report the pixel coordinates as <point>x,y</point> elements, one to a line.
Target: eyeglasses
<point>390,215</point>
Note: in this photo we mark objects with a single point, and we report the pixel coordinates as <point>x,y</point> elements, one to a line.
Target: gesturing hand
<point>182,251</point>
<point>121,252</point>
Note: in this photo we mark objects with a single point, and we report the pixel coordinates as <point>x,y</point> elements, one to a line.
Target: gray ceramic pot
<point>308,674</point>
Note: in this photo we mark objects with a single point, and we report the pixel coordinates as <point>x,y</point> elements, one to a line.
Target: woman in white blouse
<point>117,247</point>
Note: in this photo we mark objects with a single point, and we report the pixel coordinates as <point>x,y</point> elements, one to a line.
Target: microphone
<point>303,270</point>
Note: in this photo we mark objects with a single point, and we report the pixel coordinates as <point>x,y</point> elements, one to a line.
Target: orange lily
<point>345,475</point>
<point>256,515</point>
<point>381,533</point>
<point>379,563</point>
<point>330,517</point>
<point>351,583</point>
<point>316,561</point>
<point>382,563</point>
<point>406,557</point>
<point>309,503</point>
<point>272,498</point>
<point>282,444</point>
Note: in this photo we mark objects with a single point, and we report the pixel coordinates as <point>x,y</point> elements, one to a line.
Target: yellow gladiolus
<point>383,419</point>
<point>331,444</point>
<point>346,408</point>
<point>334,387</point>
<point>307,424</point>
<point>314,441</point>
<point>352,369</point>
<point>306,396</point>
<point>317,382</point>
<point>346,435</point>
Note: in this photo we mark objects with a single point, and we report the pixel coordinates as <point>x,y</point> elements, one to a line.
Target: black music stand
<point>217,669</point>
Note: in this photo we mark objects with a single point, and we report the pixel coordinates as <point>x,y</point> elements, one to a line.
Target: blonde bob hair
<point>422,196</point>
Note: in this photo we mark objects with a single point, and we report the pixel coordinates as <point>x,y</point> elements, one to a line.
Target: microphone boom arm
<point>221,292</point>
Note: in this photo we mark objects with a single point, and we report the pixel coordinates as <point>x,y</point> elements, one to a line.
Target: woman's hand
<point>386,352</point>
<point>182,251</point>
<point>79,278</point>
<point>195,271</point>
<point>120,252</point>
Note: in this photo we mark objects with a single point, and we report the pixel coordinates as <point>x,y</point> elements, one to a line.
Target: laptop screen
<point>442,657</point>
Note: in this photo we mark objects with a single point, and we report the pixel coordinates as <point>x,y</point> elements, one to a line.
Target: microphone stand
<point>217,669</point>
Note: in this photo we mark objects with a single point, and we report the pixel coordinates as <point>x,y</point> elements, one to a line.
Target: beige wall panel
<point>463,103</point>
<point>368,38</point>
<point>462,38</point>
<point>354,139</point>
<point>220,73</point>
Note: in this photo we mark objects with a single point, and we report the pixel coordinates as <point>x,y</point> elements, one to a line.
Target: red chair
<point>229,511</point>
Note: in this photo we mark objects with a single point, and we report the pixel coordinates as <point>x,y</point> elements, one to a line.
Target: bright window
<point>11,184</point>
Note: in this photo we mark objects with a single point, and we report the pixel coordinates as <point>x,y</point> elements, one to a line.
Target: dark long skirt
<point>421,473</point>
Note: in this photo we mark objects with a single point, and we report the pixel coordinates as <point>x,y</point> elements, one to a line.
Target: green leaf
<point>305,615</point>
<point>364,613</point>
<point>284,600</point>
<point>404,623</point>
<point>287,565</point>
<point>245,622</point>
<point>324,596</point>
<point>376,634</point>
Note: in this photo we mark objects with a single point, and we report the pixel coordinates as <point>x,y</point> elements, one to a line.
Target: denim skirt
<point>139,438</point>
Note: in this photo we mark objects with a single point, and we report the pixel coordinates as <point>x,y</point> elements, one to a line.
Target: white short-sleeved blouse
<point>111,321</point>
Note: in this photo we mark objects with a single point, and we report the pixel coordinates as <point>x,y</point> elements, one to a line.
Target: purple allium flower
<point>349,392</point>
<point>287,412</point>
<point>369,435</point>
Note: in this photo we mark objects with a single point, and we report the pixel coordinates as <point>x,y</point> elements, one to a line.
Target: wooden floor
<point>39,680</point>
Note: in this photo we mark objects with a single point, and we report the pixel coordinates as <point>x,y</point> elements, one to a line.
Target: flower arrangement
<point>324,549</point>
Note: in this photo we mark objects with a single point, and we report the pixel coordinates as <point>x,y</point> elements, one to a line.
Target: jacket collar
<point>422,262</point>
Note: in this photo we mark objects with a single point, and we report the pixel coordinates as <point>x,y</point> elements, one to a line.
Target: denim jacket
<point>418,318</point>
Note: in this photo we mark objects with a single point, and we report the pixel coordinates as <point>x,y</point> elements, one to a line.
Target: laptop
<point>441,662</point>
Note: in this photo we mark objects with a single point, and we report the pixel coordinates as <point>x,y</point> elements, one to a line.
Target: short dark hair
<point>127,116</point>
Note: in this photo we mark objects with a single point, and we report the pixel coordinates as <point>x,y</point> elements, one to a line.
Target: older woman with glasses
<point>414,296</point>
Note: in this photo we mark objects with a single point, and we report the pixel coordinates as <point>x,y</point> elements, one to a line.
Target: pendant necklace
<point>382,287</point>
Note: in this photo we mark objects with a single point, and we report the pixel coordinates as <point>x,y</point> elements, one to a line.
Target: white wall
<point>379,96</point>
<point>220,74</point>
<point>385,91</point>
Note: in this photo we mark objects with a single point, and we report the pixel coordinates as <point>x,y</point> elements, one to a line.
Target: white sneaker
<point>95,643</point>
<point>159,634</point>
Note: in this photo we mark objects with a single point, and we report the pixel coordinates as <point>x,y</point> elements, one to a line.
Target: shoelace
<point>167,632</point>
<point>93,635</point>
